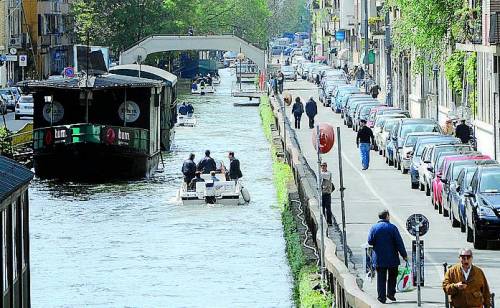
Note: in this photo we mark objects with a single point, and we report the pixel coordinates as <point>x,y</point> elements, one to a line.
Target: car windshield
<point>389,125</point>
<point>490,182</point>
<point>26,99</point>
<point>418,128</point>
<point>366,110</point>
<point>287,69</point>
<point>411,140</point>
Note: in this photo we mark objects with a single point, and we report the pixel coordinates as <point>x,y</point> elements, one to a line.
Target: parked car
<point>387,140</point>
<point>348,99</point>
<point>406,126</point>
<point>482,206</point>
<point>421,146</point>
<point>373,112</point>
<point>353,105</point>
<point>9,97</point>
<point>409,142</point>
<point>361,113</point>
<point>378,130</point>
<point>339,94</point>
<point>24,107</point>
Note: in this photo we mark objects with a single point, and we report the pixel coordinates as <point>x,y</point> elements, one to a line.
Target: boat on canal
<point>202,86</point>
<point>102,125</point>
<point>186,120</point>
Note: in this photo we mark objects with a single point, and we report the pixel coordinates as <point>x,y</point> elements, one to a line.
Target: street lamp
<point>435,69</point>
<point>240,56</point>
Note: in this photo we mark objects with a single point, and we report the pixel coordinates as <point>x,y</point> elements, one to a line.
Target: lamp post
<point>435,69</point>
<point>240,57</point>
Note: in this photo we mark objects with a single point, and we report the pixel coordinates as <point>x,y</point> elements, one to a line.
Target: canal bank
<point>342,283</point>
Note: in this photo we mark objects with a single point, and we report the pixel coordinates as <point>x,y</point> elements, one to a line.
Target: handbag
<point>404,279</point>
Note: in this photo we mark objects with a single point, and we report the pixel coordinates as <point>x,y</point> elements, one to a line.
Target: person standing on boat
<point>197,178</point>
<point>297,110</point>
<point>207,164</point>
<point>190,109</point>
<point>213,177</point>
<point>183,109</point>
<point>234,167</point>
<point>311,111</point>
<point>189,169</point>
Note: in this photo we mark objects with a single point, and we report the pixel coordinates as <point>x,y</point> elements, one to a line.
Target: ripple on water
<point>129,244</point>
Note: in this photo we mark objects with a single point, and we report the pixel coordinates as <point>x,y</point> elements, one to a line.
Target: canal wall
<point>343,284</point>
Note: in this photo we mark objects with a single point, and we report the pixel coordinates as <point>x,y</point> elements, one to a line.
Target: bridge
<point>159,43</point>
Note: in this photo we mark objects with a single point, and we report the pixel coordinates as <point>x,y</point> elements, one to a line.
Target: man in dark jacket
<point>197,178</point>
<point>363,139</point>
<point>311,111</point>
<point>463,132</point>
<point>207,164</point>
<point>234,167</point>
<point>189,169</point>
<point>387,244</point>
<point>183,110</point>
<point>375,90</point>
<point>297,110</point>
<point>190,109</point>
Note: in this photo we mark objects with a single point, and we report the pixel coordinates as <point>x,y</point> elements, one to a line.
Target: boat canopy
<point>146,71</point>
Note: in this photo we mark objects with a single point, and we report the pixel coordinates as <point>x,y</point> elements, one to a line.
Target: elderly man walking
<point>466,284</point>
<point>387,244</point>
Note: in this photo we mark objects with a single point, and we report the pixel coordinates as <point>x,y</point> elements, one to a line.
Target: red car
<point>437,183</point>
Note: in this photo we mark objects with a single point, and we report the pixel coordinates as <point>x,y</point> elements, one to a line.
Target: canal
<point>132,245</point>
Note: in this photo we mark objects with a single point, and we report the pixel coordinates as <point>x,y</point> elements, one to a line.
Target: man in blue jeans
<point>365,141</point>
<point>387,244</point>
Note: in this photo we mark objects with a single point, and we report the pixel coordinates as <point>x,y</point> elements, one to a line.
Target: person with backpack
<point>297,110</point>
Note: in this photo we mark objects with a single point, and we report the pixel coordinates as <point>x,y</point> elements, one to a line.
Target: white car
<point>24,107</point>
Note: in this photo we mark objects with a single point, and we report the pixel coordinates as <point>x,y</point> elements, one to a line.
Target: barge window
<point>4,252</point>
<point>14,244</point>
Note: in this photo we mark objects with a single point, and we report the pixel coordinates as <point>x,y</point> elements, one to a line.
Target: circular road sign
<point>69,72</point>
<point>421,221</point>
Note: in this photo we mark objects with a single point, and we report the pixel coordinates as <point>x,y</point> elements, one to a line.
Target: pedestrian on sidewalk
<point>327,188</point>
<point>467,284</point>
<point>275,85</point>
<point>375,90</point>
<point>387,244</point>
<point>365,141</point>
<point>359,74</point>
<point>448,128</point>
<point>463,131</point>
<point>297,110</point>
<point>311,111</point>
<point>346,69</point>
<point>281,81</point>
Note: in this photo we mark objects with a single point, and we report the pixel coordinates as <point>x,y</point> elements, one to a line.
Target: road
<point>12,124</point>
<point>368,192</point>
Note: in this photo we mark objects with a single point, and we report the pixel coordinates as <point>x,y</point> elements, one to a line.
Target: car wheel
<point>433,203</point>
<point>403,170</point>
<point>421,186</point>
<point>414,185</point>
<point>439,207</point>
<point>454,222</point>
<point>427,190</point>
<point>479,242</point>
<point>16,117</point>
<point>398,164</point>
<point>446,213</point>
<point>462,226</point>
<point>379,152</point>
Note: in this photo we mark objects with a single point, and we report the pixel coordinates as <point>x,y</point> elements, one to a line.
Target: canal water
<point>132,245</point>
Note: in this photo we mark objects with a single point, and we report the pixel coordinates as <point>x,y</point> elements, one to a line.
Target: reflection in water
<point>129,244</point>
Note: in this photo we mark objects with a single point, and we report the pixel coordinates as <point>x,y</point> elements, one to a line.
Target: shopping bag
<point>405,279</point>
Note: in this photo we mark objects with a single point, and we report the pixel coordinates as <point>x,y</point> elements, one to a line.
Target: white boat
<point>186,120</point>
<point>202,88</point>
<point>216,80</point>
<point>214,192</point>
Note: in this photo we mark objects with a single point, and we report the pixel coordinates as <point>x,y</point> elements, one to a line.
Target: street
<point>13,124</point>
<point>368,192</point>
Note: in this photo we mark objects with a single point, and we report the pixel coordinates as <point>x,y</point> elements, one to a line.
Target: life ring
<point>48,137</point>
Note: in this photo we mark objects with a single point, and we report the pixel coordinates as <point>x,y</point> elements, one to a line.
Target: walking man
<point>463,132</point>
<point>359,75</point>
<point>207,164</point>
<point>466,284</point>
<point>387,244</point>
<point>311,111</point>
<point>365,140</point>
<point>327,188</point>
<point>189,169</point>
<point>234,167</point>
<point>297,110</point>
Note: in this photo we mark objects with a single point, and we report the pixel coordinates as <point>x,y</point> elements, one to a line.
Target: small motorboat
<point>214,192</point>
<point>186,120</point>
<point>216,80</point>
<point>202,86</point>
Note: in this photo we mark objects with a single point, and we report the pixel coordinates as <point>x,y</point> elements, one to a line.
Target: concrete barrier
<point>342,283</point>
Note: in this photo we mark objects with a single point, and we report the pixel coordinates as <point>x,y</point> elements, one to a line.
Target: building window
<point>5,262</point>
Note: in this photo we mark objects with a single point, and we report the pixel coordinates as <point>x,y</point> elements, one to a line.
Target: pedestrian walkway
<point>368,192</point>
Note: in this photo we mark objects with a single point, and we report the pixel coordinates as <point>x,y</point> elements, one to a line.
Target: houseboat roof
<point>105,81</point>
<point>12,177</point>
<point>146,71</point>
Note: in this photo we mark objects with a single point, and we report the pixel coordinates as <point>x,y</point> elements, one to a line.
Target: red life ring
<point>110,136</point>
<point>326,138</point>
<point>48,137</point>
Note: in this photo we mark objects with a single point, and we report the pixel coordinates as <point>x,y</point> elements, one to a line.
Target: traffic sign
<point>11,58</point>
<point>3,58</point>
<point>340,35</point>
<point>23,60</point>
<point>69,72</point>
<point>417,222</point>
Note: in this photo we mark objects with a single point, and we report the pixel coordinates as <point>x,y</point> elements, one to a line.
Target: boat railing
<point>131,137</point>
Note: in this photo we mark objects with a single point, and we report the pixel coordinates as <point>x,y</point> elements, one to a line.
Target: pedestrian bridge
<point>159,43</point>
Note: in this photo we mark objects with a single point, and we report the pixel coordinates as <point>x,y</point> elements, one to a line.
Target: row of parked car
<point>12,99</point>
<point>464,184</point>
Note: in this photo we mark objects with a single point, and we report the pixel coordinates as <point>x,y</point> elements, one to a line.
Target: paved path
<point>368,192</point>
